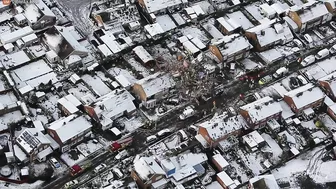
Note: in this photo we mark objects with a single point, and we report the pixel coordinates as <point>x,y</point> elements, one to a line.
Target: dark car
<point>294,83</point>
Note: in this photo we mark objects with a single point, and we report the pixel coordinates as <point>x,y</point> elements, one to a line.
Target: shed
<point>30,39</point>
<point>19,43</point>
<point>220,162</point>
<point>9,47</point>
<point>20,19</point>
<point>143,55</point>
<point>52,56</point>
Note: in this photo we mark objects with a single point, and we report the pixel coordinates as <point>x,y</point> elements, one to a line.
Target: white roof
<point>67,35</point>
<point>225,179</point>
<point>199,44</point>
<point>123,81</point>
<point>105,50</point>
<point>240,18</point>
<point>272,34</point>
<point>268,9</point>
<point>220,126</point>
<point>142,53</point>
<point>53,144</point>
<point>38,125</point>
<point>262,108</point>
<point>157,5</point>
<point>19,154</point>
<point>110,42</point>
<point>15,35</point>
<point>68,105</point>
<point>305,95</point>
<point>220,160</point>
<point>115,131</point>
<point>45,152</point>
<point>257,137</point>
<point>68,127</point>
<point>198,10</point>
<point>286,110</point>
<point>29,38</point>
<point>32,13</point>
<point>311,12</point>
<point>250,141</point>
<point>156,83</point>
<point>269,181</point>
<point>190,47</point>
<point>44,8</point>
<point>154,29</point>
<point>147,166</point>
<point>26,89</point>
<point>225,24</point>
<point>8,46</point>
<point>51,54</point>
<point>234,44</point>
<point>213,31</point>
<point>31,138</point>
<point>279,7</point>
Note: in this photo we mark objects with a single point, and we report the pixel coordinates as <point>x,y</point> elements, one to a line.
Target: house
<point>154,31</point>
<point>305,97</point>
<point>52,57</point>
<point>20,19</point>
<point>39,15</point>
<point>225,180</point>
<point>263,182</point>
<point>220,127</point>
<point>69,104</point>
<point>63,42</point>
<point>227,26</point>
<point>328,84</point>
<point>267,35</point>
<point>192,45</point>
<point>110,107</point>
<point>153,88</point>
<point>159,6</point>
<point>35,144</point>
<point>220,163</point>
<point>309,15</point>
<point>260,111</point>
<point>15,35</point>
<point>147,171</point>
<point>143,55</point>
<point>4,6</point>
<point>253,140</point>
<point>69,131</point>
<point>231,48</point>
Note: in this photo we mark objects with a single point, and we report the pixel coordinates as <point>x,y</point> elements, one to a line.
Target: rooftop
<point>157,5</point>
<point>146,167</point>
<point>156,83</point>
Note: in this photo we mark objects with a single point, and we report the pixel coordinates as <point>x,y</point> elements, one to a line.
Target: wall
<point>139,91</point>
<point>296,18</point>
<point>214,49</point>
<point>327,89</point>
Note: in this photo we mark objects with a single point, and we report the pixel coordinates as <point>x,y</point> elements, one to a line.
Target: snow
<point>275,148</point>
<point>50,105</point>
<point>36,69</point>
<point>132,124</point>
<point>88,148</point>
<point>153,6</point>
<point>240,18</point>
<point>326,172</point>
<point>328,122</point>
<point>43,79</point>
<point>54,41</point>
<point>172,143</point>
<point>253,9</point>
<point>35,185</point>
<point>8,98</point>
<point>14,59</point>
<point>117,71</point>
<point>12,117</point>
<point>212,30</point>
<point>178,19</point>
<point>97,85</point>
<point>195,33</point>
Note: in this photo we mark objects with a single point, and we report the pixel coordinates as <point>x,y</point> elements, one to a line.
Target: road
<point>78,12</point>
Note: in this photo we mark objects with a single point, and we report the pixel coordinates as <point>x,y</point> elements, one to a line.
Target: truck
<point>121,144</point>
<point>76,169</point>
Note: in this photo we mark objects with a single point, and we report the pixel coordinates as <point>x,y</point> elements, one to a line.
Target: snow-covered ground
<point>88,148</point>
<point>138,67</point>
<point>133,123</point>
<point>274,147</point>
<point>117,71</point>
<point>50,105</point>
<point>8,118</point>
<point>35,185</point>
<point>66,157</point>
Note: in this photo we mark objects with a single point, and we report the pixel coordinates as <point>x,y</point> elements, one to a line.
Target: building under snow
<point>39,15</point>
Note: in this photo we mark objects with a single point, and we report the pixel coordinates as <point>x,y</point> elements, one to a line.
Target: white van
<point>332,50</point>
<point>163,132</point>
<point>183,135</point>
<point>308,60</point>
<point>118,173</point>
<point>151,138</point>
<point>322,54</point>
<point>280,72</point>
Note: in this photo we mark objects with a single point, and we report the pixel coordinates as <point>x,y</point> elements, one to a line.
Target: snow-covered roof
<point>68,127</point>
<point>143,54</point>
<point>29,38</point>
<point>267,9</point>
<point>68,105</point>
<point>26,89</point>
<point>109,41</point>
<point>157,5</point>
<point>262,108</point>
<point>20,17</point>
<point>123,81</point>
<point>15,35</point>
<point>51,54</point>
<point>305,95</point>
<point>113,105</point>
<point>220,126</point>
<point>226,179</point>
<point>30,139</point>
<point>156,83</point>
<point>226,24</point>
<point>32,13</point>
<point>19,154</point>
<point>44,8</point>
<point>286,110</point>
<point>311,11</point>
<point>145,167</point>
<point>67,35</point>
<point>213,31</point>
<point>53,144</point>
<point>154,29</point>
<point>291,23</point>
<point>240,18</point>
<point>268,180</point>
<point>235,45</point>
<point>105,50</point>
<point>44,153</point>
<point>279,32</point>
<point>220,160</point>
<point>38,125</point>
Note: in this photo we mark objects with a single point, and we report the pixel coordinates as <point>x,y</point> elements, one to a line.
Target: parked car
<point>298,43</point>
<point>280,72</point>
<point>187,112</point>
<point>118,173</point>
<point>55,163</point>
<point>333,24</point>
<point>265,80</point>
<point>308,60</point>
<point>99,168</point>
<point>122,154</point>
<point>293,82</point>
<point>163,132</point>
<point>183,135</point>
<point>151,139</point>
<point>308,38</point>
<point>322,54</point>
<point>71,184</point>
<point>332,50</point>
<point>172,101</point>
<point>302,80</point>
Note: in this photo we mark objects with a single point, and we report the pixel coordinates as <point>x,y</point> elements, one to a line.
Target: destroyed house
<point>63,42</point>
<point>68,131</point>
<point>110,107</point>
<point>153,88</point>
<point>266,36</point>
<point>305,97</point>
<point>39,15</point>
<point>309,15</point>
<point>220,127</point>
<point>231,48</point>
<point>260,111</point>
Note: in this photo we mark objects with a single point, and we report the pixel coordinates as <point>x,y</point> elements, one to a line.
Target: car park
<point>99,168</point>
<point>265,80</point>
<point>55,163</point>
<point>308,60</point>
<point>298,43</point>
<point>308,38</point>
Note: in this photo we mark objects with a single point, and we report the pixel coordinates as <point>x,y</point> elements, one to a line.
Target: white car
<point>302,80</point>
<point>333,24</point>
<point>70,184</point>
<point>308,60</point>
<point>163,132</point>
<point>187,112</point>
<point>332,50</point>
<point>121,154</point>
<point>99,168</point>
<point>298,43</point>
<point>308,38</point>
<point>55,163</point>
